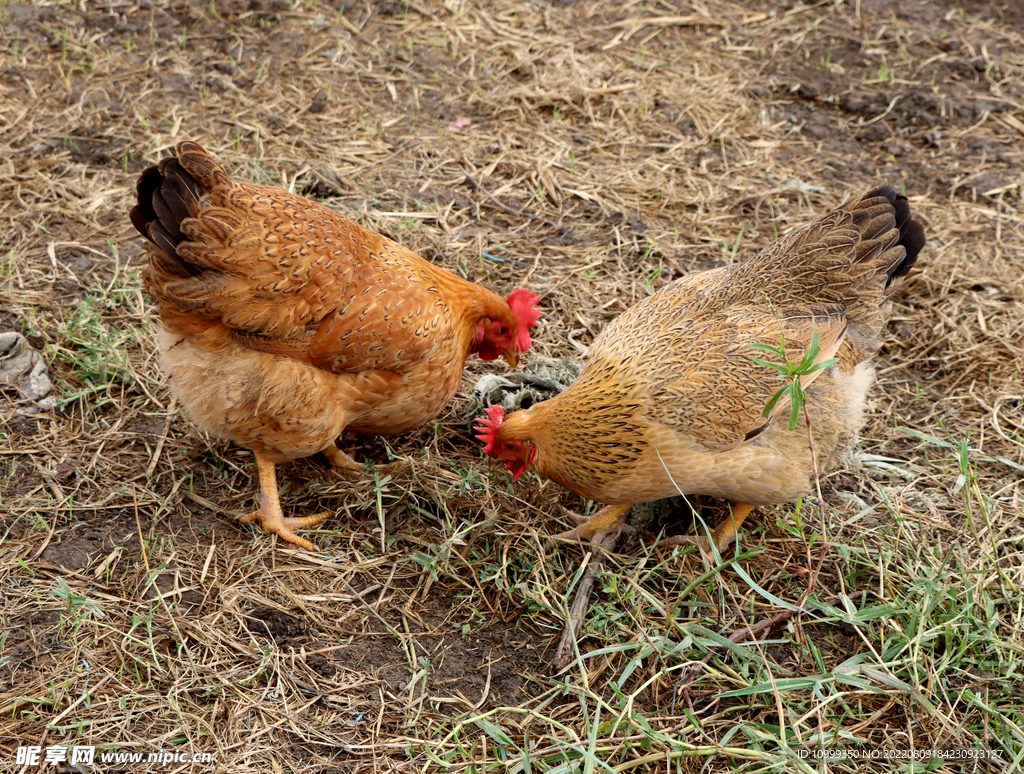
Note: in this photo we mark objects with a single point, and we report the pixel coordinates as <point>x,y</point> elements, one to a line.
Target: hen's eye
<point>503,330</point>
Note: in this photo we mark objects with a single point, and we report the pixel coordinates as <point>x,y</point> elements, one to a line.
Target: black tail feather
<point>165,195</point>
<point>911,237</point>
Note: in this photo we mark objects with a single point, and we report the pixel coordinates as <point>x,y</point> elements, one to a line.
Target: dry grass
<point>612,147</point>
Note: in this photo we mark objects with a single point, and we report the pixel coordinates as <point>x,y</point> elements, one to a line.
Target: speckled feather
<point>286,322</point>
<point>671,400</point>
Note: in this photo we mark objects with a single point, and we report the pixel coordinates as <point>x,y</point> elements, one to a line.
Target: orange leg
<point>593,529</point>
<point>723,535</point>
<point>269,513</point>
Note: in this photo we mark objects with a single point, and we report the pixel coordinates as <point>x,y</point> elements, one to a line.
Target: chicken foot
<point>269,514</point>
<point>343,460</point>
<point>611,518</point>
<point>724,534</point>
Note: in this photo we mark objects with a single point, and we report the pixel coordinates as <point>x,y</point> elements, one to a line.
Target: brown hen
<point>285,323</point>
<point>671,400</point>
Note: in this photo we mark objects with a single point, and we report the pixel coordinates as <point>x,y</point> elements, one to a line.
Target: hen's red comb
<point>524,307</point>
<point>489,427</point>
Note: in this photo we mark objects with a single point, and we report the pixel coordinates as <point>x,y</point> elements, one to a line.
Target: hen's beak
<point>511,358</point>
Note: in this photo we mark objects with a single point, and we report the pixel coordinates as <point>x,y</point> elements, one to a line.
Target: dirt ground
<point>591,151</point>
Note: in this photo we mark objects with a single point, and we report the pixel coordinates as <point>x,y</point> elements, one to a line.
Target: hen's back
<point>847,265</point>
<point>854,258</point>
<point>280,273</point>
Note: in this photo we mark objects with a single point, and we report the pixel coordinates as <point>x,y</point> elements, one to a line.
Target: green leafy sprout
<point>791,373</point>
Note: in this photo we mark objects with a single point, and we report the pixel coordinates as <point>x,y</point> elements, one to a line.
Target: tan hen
<point>671,400</point>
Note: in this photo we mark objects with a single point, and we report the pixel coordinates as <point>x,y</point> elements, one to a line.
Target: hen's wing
<point>698,376</point>
<point>281,273</point>
<point>855,258</point>
<point>690,343</point>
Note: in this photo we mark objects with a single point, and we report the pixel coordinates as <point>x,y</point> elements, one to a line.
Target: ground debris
<point>540,379</point>
<point>23,368</point>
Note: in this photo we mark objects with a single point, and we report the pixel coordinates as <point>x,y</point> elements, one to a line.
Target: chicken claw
<point>594,528</point>
<point>282,527</point>
<point>269,513</point>
<point>340,459</point>
<point>724,534</point>
<point>344,461</point>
